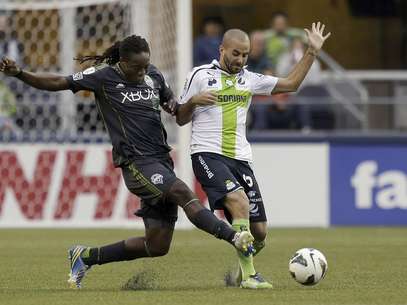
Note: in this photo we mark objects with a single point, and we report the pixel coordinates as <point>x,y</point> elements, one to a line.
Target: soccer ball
<point>308,266</point>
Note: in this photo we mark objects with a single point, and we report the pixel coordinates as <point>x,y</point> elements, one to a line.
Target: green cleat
<point>256,281</point>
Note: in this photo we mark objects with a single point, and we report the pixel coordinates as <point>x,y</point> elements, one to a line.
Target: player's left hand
<point>9,67</point>
<point>316,36</point>
<point>170,106</point>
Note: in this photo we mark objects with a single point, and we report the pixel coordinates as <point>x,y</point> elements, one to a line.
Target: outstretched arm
<point>43,81</point>
<point>316,40</point>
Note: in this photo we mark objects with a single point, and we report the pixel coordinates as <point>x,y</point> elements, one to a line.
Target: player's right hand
<point>9,67</point>
<point>206,98</point>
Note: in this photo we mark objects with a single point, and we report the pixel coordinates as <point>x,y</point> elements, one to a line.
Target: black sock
<point>112,253</point>
<point>208,222</point>
<point>116,252</point>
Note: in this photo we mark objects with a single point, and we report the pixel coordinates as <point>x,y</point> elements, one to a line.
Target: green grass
<point>366,266</point>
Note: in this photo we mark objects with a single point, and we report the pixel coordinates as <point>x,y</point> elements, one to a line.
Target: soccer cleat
<point>243,241</point>
<point>78,267</point>
<point>255,281</point>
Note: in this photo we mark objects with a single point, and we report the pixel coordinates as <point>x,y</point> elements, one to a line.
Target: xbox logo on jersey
<point>144,94</point>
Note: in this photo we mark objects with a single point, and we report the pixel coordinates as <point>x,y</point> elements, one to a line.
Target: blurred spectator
<point>206,46</point>
<point>279,37</point>
<point>283,115</point>
<point>258,61</point>
<point>291,57</point>
<point>274,112</point>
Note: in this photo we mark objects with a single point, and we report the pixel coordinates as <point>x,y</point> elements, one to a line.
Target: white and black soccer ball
<point>308,266</point>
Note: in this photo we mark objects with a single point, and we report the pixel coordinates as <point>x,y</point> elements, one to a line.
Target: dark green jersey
<point>131,112</point>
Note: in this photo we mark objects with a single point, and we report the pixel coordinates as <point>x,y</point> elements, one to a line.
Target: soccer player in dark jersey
<point>129,91</point>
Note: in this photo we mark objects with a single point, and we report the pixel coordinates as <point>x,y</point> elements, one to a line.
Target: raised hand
<point>9,67</point>
<point>316,36</point>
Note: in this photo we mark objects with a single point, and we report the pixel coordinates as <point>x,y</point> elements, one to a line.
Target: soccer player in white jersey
<point>216,99</point>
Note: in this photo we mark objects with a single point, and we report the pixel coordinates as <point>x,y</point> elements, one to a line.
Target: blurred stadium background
<point>55,163</point>
<point>335,158</point>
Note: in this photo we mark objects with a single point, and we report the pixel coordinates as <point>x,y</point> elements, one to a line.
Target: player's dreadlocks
<point>131,44</point>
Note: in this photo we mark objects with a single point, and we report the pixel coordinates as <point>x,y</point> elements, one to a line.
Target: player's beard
<point>230,67</point>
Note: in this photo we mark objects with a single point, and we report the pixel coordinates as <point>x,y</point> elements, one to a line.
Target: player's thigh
<point>247,179</point>
<point>215,176</point>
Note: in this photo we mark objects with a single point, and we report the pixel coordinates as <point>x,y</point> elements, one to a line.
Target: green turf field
<point>366,266</point>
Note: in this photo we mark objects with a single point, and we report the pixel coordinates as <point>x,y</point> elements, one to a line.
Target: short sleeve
<point>89,79</point>
<point>262,84</point>
<point>191,86</point>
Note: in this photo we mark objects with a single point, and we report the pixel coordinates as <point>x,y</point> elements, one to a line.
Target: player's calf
<point>205,220</point>
<point>259,232</point>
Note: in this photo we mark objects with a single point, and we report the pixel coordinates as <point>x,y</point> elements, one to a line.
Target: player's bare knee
<point>156,252</point>
<point>259,230</point>
<point>259,235</point>
<point>157,249</point>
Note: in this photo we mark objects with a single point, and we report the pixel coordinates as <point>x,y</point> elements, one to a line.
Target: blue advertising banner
<point>368,184</point>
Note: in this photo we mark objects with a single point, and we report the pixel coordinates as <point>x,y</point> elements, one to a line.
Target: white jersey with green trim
<point>221,128</point>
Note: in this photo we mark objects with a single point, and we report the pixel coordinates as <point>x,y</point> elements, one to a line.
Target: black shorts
<point>220,175</point>
<point>151,182</point>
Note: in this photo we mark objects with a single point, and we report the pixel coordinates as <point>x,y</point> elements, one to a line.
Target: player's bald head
<point>234,50</point>
<point>234,35</point>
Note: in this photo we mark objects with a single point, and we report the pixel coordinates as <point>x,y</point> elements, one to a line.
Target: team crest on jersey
<point>229,83</point>
<point>149,81</point>
<point>229,184</point>
<point>157,179</point>
<point>241,81</point>
<point>211,82</point>
<point>120,86</point>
